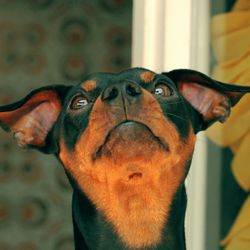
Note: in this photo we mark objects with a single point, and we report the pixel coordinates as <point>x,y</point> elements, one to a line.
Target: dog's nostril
<point>113,93</point>
<point>133,90</point>
<point>110,93</point>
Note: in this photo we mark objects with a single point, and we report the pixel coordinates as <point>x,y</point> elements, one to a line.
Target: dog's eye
<point>79,102</point>
<point>163,90</point>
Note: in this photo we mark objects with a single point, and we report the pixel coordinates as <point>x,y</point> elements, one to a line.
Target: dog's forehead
<point>101,80</point>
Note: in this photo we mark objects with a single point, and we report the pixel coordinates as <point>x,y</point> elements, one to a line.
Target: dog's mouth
<point>130,140</point>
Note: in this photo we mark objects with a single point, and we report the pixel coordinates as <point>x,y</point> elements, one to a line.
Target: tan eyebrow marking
<point>147,76</point>
<point>89,85</point>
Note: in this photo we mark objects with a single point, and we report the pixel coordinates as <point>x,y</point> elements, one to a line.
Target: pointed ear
<point>211,98</point>
<point>32,118</point>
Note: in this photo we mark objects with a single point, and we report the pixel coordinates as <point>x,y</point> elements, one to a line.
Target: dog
<point>126,142</point>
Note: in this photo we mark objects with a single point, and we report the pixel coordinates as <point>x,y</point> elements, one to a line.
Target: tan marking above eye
<point>89,85</point>
<point>147,76</point>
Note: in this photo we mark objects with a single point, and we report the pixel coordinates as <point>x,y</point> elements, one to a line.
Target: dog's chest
<point>135,197</point>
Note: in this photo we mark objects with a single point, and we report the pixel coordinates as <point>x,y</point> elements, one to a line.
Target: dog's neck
<point>91,227</point>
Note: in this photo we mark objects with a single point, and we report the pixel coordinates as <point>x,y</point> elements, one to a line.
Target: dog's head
<point>126,139</point>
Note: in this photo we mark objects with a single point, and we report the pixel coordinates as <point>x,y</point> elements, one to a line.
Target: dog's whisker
<point>177,116</point>
<point>176,102</point>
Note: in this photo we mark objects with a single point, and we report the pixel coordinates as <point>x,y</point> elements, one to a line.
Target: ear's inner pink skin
<point>210,103</point>
<point>31,122</point>
<point>33,128</point>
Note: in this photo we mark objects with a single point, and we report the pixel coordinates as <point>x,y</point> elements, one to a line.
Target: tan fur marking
<point>89,85</point>
<point>138,208</point>
<point>147,76</point>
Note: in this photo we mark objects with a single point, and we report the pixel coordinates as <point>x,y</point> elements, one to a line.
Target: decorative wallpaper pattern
<point>44,42</point>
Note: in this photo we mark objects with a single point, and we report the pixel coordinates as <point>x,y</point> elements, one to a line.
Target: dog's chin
<point>130,141</point>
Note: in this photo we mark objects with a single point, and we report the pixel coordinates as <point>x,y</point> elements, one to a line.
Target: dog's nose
<point>129,90</point>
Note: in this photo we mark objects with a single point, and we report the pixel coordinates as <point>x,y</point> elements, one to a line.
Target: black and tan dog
<point>126,142</point>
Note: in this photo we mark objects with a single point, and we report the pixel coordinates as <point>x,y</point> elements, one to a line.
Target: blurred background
<point>44,42</point>
<point>60,41</point>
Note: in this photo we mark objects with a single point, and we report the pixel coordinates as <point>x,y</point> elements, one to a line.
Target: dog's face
<point>126,139</point>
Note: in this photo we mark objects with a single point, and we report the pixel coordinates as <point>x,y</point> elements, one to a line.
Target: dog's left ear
<point>211,98</point>
<point>32,118</point>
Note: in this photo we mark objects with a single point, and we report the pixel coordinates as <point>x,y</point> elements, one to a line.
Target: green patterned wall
<point>44,42</point>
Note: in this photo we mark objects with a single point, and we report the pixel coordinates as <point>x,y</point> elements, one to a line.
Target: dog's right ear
<point>210,98</point>
<point>32,118</point>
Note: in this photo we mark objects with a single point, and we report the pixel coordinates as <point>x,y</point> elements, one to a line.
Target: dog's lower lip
<point>160,140</point>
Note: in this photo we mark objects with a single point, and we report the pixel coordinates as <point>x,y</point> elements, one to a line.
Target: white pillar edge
<point>167,37</point>
<point>177,34</point>
<point>197,179</point>
<point>147,35</point>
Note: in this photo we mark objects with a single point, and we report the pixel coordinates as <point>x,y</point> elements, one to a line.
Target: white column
<point>170,34</point>
<point>177,34</point>
<point>148,34</point>
<point>197,179</point>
